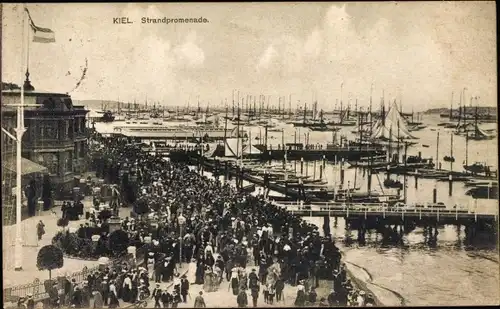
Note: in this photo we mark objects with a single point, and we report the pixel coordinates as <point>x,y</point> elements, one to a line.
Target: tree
<point>63,222</point>
<point>118,241</point>
<point>49,257</point>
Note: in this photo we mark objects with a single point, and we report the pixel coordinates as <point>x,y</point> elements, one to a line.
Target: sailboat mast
<point>279,105</point>
<point>248,108</point>
<point>475,123</point>
<point>225,129</point>
<point>400,105</point>
<point>460,109</point>
<point>390,144</point>
<point>451,106</point>
<point>405,192</point>
<point>254,106</point>
<point>451,152</point>
<point>437,151</point>
<point>341,90</point>
<point>398,143</point>
<point>371,117</point>
<point>305,113</point>
<point>238,134</point>
<point>466,147</point>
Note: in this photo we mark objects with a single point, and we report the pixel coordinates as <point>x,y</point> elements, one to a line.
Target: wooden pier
<point>430,212</point>
<point>348,153</point>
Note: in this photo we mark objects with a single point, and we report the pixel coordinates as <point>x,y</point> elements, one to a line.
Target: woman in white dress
<point>151,265</point>
<point>191,274</point>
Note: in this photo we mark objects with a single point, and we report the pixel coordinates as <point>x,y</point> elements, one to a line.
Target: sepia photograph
<point>264,154</point>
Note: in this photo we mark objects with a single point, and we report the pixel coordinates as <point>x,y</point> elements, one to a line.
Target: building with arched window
<point>55,137</point>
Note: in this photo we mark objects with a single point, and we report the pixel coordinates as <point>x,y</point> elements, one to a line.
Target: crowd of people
<point>182,216</point>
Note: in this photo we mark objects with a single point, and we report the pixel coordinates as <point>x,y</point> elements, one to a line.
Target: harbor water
<point>413,272</point>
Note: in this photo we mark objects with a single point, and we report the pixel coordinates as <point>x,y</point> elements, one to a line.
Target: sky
<point>415,52</point>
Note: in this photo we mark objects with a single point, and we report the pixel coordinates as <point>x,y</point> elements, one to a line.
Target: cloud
<point>189,53</point>
<point>313,44</point>
<point>421,51</point>
<point>266,58</point>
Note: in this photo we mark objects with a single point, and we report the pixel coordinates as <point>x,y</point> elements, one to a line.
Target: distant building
<point>56,136</point>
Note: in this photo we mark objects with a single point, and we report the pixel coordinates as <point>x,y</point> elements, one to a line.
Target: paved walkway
<point>224,298</point>
<point>32,246</point>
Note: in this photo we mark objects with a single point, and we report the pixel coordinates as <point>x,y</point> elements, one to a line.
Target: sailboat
<point>304,122</point>
<point>392,127</point>
<point>320,126</point>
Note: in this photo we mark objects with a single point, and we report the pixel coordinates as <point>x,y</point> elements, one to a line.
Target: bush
<point>118,241</point>
<point>63,222</point>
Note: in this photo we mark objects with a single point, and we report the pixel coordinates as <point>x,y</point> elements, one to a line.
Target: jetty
<point>402,218</point>
<point>330,153</point>
<point>423,211</point>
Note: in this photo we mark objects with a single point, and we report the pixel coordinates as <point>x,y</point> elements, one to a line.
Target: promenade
<point>224,298</point>
<point>31,247</point>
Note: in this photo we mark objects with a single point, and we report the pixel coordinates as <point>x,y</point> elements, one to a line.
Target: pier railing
<point>384,210</point>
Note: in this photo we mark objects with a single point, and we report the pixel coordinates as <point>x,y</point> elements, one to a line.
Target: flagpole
<point>18,249</point>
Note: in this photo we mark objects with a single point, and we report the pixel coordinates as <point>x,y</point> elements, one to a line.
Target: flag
<point>40,35</point>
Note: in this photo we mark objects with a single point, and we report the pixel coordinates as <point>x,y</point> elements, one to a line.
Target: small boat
<point>106,117</point>
<point>310,185</point>
<point>425,146</point>
<point>483,192</point>
<point>475,183</point>
<point>248,189</point>
<point>391,183</point>
<point>367,164</point>
<point>281,198</point>
<point>304,181</point>
<point>319,128</point>
<point>417,128</point>
<point>449,159</point>
<point>439,205</point>
<point>477,168</point>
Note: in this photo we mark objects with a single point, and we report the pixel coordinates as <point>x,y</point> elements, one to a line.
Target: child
<point>271,291</point>
<point>265,290</point>
<point>279,286</point>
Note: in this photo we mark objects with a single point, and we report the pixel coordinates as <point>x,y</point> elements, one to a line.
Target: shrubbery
<point>74,246</point>
<point>113,246</point>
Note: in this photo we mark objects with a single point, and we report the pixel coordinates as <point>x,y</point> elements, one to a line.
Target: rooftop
<point>33,93</point>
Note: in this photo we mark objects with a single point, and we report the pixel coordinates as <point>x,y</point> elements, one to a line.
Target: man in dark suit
<point>157,292</point>
<point>184,288</point>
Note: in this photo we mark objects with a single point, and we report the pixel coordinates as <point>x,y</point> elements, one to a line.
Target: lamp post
<point>181,220</point>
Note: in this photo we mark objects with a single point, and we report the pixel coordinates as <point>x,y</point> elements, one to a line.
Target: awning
<point>27,166</point>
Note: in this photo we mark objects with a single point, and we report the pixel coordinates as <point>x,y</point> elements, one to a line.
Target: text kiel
<point>121,20</point>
